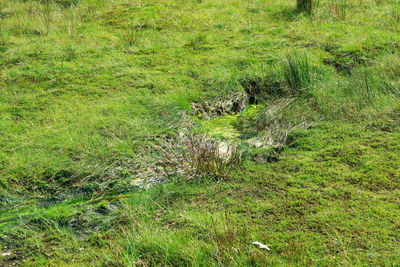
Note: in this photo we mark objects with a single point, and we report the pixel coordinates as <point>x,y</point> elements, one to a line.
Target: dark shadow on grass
<point>288,14</point>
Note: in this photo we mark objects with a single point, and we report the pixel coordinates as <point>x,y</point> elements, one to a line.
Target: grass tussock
<point>199,157</point>
<point>298,74</point>
<point>338,9</point>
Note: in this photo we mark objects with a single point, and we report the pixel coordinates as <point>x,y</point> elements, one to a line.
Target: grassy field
<point>97,95</point>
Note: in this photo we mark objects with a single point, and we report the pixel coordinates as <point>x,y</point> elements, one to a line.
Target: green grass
<point>309,207</point>
<point>87,87</point>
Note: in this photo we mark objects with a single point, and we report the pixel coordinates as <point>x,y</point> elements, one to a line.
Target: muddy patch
<point>221,106</point>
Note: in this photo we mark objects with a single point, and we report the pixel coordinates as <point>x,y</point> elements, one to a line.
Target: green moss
<point>223,126</point>
<point>230,126</point>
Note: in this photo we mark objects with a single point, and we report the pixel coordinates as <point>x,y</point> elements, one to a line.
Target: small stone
<point>6,254</point>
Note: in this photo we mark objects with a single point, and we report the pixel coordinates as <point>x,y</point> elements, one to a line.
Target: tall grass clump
<point>395,15</point>
<point>365,94</point>
<point>46,15</point>
<point>367,86</point>
<point>338,9</point>
<point>132,34</point>
<point>198,156</point>
<point>297,73</point>
<point>72,21</point>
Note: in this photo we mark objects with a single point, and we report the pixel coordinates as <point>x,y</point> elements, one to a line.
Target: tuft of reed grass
<point>297,73</point>
<point>46,15</point>
<point>198,156</point>
<point>338,10</point>
<point>368,85</point>
<point>72,21</point>
<point>132,34</point>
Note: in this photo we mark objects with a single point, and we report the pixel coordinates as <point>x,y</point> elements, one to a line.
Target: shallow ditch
<point>219,119</point>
